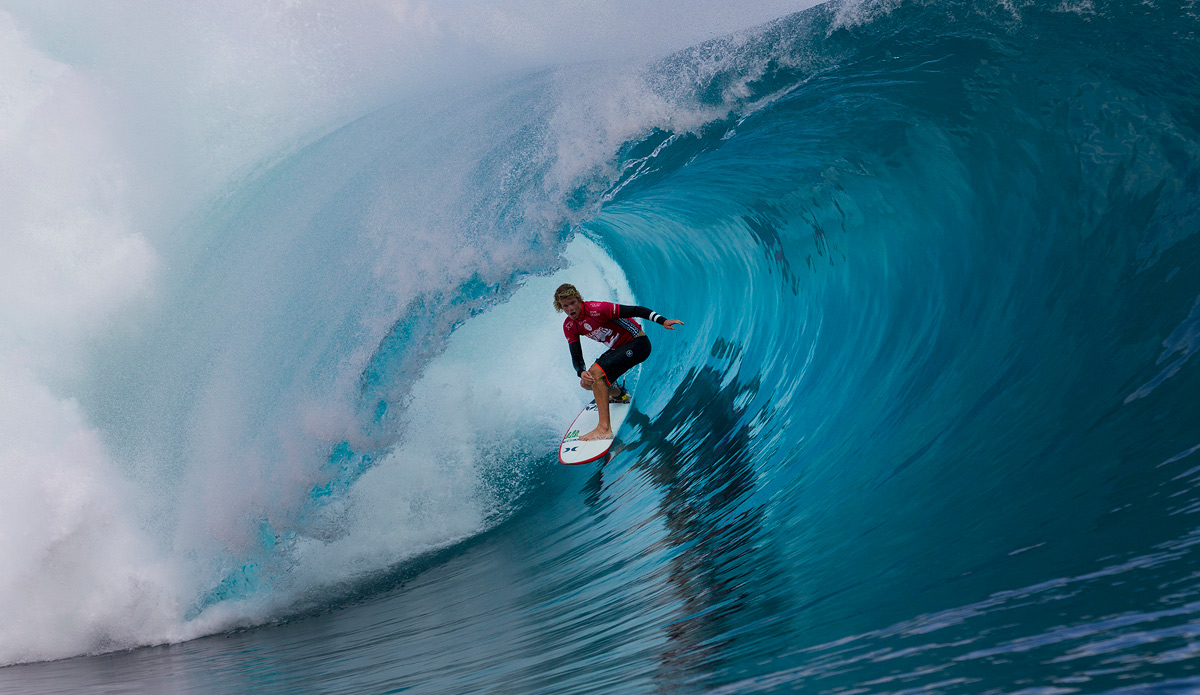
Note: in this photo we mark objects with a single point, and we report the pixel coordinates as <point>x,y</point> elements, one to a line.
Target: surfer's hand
<point>670,324</point>
<point>586,379</point>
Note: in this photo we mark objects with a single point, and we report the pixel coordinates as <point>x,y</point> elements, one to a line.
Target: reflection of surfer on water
<point>613,325</point>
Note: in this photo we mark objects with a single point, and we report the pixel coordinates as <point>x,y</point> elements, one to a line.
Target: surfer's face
<point>572,306</point>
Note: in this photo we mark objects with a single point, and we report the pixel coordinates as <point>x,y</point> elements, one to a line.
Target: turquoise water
<point>930,427</point>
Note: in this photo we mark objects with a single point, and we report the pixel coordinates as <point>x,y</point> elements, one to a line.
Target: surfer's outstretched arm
<point>641,312</point>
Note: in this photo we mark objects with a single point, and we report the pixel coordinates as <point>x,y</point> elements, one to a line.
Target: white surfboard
<point>573,450</point>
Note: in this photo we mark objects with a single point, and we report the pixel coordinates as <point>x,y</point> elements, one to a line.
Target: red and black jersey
<point>605,322</point>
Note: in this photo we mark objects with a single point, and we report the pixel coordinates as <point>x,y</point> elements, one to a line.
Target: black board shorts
<point>616,361</point>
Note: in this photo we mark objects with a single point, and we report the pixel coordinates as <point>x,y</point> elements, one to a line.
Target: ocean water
<point>281,384</point>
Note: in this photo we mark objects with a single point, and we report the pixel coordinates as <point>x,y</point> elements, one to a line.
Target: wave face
<point>931,424</point>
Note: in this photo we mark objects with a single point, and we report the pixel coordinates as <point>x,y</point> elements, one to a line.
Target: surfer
<point>613,325</point>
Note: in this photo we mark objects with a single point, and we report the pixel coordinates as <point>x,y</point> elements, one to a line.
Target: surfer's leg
<point>600,391</point>
<point>608,368</point>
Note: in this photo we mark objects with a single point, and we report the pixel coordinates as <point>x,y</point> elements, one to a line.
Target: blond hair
<point>565,291</point>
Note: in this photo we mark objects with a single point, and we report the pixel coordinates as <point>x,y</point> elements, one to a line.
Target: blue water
<point>931,425</point>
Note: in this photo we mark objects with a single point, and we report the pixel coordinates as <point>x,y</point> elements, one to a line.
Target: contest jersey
<point>601,323</point>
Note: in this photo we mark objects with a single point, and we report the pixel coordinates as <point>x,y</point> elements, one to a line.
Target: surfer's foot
<point>597,434</point>
<point>618,394</point>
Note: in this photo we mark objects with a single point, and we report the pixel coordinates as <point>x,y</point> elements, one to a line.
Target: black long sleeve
<point>577,357</point>
<point>639,312</point>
